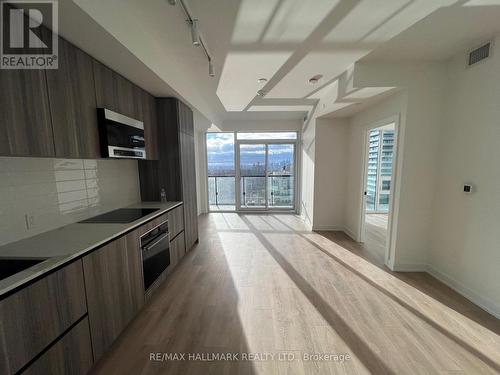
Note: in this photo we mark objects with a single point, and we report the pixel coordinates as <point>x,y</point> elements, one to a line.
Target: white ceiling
<point>285,41</point>
<point>444,33</point>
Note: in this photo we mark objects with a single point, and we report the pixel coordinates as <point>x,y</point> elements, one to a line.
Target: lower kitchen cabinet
<point>35,316</point>
<point>115,289</point>
<point>65,321</point>
<point>72,354</point>
<point>177,249</point>
<point>176,221</point>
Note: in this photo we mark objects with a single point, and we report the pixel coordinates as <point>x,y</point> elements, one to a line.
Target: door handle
<point>149,247</point>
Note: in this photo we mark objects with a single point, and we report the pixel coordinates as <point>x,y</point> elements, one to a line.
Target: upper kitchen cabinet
<point>73,104</point>
<point>117,93</point>
<point>150,125</point>
<point>25,124</point>
<point>105,86</point>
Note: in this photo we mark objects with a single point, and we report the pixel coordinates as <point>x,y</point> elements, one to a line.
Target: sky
<point>220,148</point>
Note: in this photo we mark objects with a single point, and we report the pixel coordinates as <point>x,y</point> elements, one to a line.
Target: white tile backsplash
<point>57,192</point>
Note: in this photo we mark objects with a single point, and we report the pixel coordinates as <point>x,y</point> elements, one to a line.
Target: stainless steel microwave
<point>120,136</point>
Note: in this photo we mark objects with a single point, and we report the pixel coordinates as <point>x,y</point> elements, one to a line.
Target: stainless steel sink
<point>10,266</point>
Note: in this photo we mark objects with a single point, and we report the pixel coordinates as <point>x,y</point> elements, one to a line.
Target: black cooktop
<point>122,215</point>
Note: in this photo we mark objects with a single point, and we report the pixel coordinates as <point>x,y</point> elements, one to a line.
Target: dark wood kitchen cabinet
<point>117,93</point>
<point>73,104</point>
<point>150,125</point>
<point>38,314</point>
<point>25,123</point>
<point>189,189</point>
<point>115,289</point>
<point>106,87</point>
<point>175,169</point>
<point>72,354</point>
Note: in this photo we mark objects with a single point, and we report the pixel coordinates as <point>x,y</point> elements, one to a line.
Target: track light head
<point>172,2</point>
<point>211,71</point>
<point>195,33</point>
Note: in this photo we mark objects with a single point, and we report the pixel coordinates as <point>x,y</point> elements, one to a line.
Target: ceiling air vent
<point>479,54</point>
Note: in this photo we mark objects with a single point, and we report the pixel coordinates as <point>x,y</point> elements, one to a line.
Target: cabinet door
<point>125,96</point>
<point>72,354</point>
<point>38,314</point>
<point>115,291</point>
<point>185,118</point>
<point>73,104</point>
<point>176,221</point>
<point>177,249</point>
<point>106,89</point>
<point>150,125</point>
<point>25,125</point>
<point>189,189</point>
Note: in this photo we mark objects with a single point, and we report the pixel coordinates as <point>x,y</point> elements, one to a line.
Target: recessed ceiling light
<point>262,80</point>
<point>314,79</point>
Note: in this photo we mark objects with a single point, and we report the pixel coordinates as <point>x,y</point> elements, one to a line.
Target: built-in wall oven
<point>155,253</point>
<point>120,136</point>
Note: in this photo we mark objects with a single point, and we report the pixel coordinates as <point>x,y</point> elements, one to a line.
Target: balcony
<point>280,192</point>
<point>221,194</point>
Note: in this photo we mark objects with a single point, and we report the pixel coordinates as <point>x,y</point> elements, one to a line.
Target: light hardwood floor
<point>264,284</point>
<point>375,236</point>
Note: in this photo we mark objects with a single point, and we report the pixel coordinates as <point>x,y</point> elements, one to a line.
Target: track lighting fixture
<point>195,33</point>
<point>211,72</point>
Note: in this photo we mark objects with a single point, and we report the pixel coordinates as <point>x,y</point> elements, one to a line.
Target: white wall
<point>200,154</point>
<point>421,117</point>
<point>308,151</point>
<point>57,192</point>
<point>201,124</point>
<point>330,171</point>
<point>465,247</point>
<point>449,135</point>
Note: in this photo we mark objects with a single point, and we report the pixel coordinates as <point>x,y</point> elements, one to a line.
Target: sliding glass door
<point>267,176</point>
<point>280,175</point>
<point>251,171</point>
<point>253,167</point>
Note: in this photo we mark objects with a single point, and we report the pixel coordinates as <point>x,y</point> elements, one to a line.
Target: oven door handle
<point>149,247</point>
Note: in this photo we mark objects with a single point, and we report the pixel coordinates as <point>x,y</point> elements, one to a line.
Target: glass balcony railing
<point>280,192</point>
<point>221,194</point>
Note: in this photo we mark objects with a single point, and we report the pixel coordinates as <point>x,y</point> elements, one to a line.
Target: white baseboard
<point>484,303</point>
<point>410,267</point>
<point>328,227</point>
<point>350,233</point>
<point>336,228</point>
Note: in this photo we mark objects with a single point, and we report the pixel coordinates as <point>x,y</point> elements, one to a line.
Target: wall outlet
<point>30,221</point>
<point>468,188</point>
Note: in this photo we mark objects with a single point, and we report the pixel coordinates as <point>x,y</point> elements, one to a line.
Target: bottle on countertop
<point>163,196</point>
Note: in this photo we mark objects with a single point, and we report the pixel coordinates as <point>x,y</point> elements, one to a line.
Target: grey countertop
<point>64,244</point>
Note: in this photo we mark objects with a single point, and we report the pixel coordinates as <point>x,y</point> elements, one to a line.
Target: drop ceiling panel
<point>238,82</point>
<point>329,64</point>
<point>277,108</point>
<point>365,93</point>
